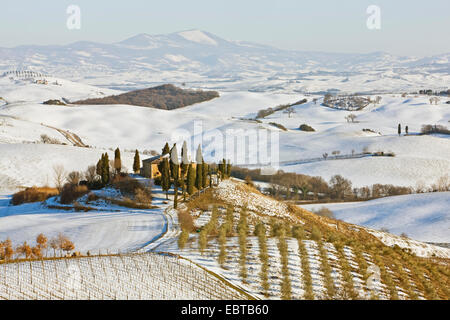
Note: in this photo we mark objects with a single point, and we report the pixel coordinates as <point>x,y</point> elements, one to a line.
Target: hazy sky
<point>413,27</point>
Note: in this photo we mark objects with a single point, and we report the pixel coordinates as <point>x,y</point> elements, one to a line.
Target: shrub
<point>129,203</point>
<point>185,220</point>
<point>428,129</point>
<point>92,197</point>
<point>126,185</point>
<point>33,194</point>
<point>143,196</point>
<point>48,140</point>
<point>325,212</point>
<point>305,127</point>
<point>316,234</point>
<point>182,239</point>
<point>279,126</point>
<point>263,257</point>
<point>298,232</point>
<point>222,243</point>
<point>74,177</point>
<point>275,228</point>
<point>132,187</point>
<point>70,193</point>
<point>54,102</point>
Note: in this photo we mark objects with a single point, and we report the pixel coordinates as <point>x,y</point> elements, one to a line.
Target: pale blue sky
<point>413,27</point>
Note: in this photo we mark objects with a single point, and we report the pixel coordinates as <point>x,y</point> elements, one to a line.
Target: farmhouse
<point>150,166</point>
<point>42,81</point>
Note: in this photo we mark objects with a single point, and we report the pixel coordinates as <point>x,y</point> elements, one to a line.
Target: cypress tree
<point>199,170</point>
<point>224,169</point>
<point>174,163</point>
<point>184,168</point>
<point>136,162</point>
<point>166,149</point>
<point>105,169</point>
<point>190,179</point>
<point>399,129</point>
<point>99,166</point>
<point>117,161</point>
<point>210,176</point>
<point>228,171</point>
<point>199,176</point>
<point>165,176</point>
<point>220,170</point>
<point>205,175</point>
<point>222,242</point>
<point>175,170</point>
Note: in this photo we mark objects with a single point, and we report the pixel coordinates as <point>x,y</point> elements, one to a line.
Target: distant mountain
<point>167,97</point>
<point>200,57</point>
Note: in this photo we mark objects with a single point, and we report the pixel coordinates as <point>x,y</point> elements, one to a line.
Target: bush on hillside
<point>279,126</point>
<point>305,127</point>
<point>33,194</point>
<point>71,192</point>
<point>325,212</point>
<point>54,102</point>
<point>429,129</point>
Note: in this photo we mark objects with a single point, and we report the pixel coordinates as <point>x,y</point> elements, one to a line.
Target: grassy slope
<point>403,274</point>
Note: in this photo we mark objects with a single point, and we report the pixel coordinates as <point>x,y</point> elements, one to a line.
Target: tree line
<point>294,186</point>
<point>184,175</point>
<point>25,250</point>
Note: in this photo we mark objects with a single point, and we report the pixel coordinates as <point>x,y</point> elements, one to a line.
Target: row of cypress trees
<point>184,174</point>
<point>103,167</point>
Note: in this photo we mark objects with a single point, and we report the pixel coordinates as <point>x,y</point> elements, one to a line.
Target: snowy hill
<point>206,60</point>
<point>423,217</point>
<point>333,265</point>
<point>419,159</point>
<point>15,89</point>
<point>329,260</point>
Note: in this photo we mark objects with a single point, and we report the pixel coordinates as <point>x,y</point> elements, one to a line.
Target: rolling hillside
<point>166,97</point>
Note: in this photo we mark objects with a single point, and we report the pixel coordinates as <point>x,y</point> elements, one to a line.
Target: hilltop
<point>166,97</point>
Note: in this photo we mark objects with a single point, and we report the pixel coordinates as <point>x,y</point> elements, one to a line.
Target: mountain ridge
<point>202,57</point>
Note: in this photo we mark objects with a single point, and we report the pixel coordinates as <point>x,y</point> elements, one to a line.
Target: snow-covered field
<point>124,277</point>
<point>105,229</point>
<point>27,165</point>
<point>418,159</point>
<point>424,217</point>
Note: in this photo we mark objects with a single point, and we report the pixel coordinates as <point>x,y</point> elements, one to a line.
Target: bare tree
<point>91,174</point>
<point>289,111</point>
<point>74,177</point>
<point>59,176</point>
<point>54,245</point>
<point>378,100</point>
<point>442,184</point>
<point>351,117</point>
<point>335,153</point>
<point>435,100</point>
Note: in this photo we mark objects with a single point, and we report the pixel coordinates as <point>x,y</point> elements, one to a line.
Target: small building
<point>150,166</point>
<point>42,81</point>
